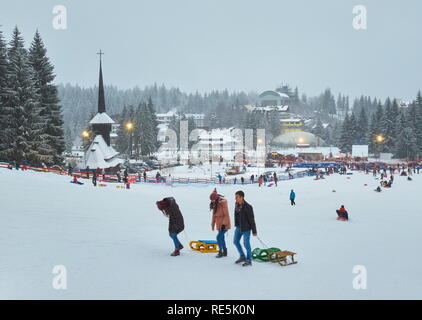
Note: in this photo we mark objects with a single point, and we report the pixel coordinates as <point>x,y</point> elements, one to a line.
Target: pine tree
<point>154,124</point>
<point>387,127</point>
<point>52,135</point>
<point>345,141</point>
<point>3,88</point>
<point>122,142</point>
<point>21,108</point>
<point>375,129</point>
<point>418,129</point>
<point>362,127</point>
<point>405,144</point>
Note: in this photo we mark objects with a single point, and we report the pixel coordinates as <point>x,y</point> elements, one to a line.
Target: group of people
<point>244,222</point>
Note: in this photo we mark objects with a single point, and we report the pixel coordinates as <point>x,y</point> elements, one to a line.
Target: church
<point>100,154</point>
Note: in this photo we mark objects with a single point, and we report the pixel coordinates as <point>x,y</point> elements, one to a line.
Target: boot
<point>240,260</point>
<point>180,246</point>
<point>176,253</point>
<point>247,263</point>
<point>220,254</point>
<point>224,252</point>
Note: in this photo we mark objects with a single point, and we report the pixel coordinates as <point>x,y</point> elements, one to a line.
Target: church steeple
<point>101,99</point>
<point>101,123</point>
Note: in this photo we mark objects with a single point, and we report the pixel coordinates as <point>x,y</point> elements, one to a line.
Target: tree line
<point>389,128</point>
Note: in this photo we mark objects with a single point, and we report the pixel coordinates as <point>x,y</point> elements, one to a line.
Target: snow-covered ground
<point>114,242</point>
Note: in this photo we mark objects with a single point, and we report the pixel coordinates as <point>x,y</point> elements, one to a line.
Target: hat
<point>214,195</point>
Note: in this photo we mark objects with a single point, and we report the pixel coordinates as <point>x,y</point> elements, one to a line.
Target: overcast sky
<point>235,44</point>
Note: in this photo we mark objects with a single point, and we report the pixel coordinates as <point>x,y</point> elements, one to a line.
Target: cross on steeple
<point>100,54</point>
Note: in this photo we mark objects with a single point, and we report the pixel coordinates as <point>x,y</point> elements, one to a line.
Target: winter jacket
<point>292,195</point>
<point>221,216</point>
<point>176,223</point>
<point>244,218</point>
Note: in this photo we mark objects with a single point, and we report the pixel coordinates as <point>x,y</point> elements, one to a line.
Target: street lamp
<point>379,139</point>
<point>129,127</point>
<point>85,134</point>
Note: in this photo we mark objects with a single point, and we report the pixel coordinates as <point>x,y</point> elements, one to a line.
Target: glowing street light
<point>301,140</point>
<point>379,138</point>
<point>129,126</point>
<point>85,134</point>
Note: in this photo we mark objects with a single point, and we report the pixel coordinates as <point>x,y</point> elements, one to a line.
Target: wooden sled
<point>282,258</point>
<point>204,246</point>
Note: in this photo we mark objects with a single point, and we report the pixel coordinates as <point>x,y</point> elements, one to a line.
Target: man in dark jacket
<point>176,224</point>
<point>244,222</point>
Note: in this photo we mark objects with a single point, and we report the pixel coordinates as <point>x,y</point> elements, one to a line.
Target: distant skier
<point>378,189</point>
<point>245,224</point>
<point>275,179</point>
<point>342,214</point>
<point>171,210</point>
<point>220,220</point>
<point>292,198</point>
<point>242,180</point>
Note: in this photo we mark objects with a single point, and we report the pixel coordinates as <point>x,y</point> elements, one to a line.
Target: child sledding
<point>342,214</point>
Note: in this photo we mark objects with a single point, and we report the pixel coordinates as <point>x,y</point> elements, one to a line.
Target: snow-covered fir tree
<point>3,88</point>
<point>21,109</point>
<point>52,136</point>
<point>405,143</point>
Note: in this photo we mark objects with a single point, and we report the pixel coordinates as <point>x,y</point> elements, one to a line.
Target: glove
<point>223,227</point>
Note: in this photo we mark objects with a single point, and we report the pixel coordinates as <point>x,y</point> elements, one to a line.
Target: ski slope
<point>114,242</point>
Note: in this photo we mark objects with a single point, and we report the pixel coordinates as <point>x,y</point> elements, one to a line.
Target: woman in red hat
<point>221,220</point>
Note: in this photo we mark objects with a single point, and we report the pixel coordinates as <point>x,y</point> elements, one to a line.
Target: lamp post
<point>258,151</point>
<point>129,127</point>
<point>379,139</point>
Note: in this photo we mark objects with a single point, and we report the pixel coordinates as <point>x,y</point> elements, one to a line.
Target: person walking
<point>94,178</point>
<point>171,210</point>
<point>292,198</point>
<point>244,221</point>
<point>220,220</point>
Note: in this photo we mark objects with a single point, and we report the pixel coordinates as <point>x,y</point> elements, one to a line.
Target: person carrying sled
<point>171,210</point>
<point>292,198</point>
<point>342,213</point>
<point>244,222</point>
<point>220,220</point>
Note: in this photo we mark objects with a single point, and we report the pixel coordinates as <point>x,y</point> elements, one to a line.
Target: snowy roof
<point>224,135</point>
<point>197,116</point>
<point>290,120</point>
<point>295,151</point>
<point>102,118</point>
<point>100,155</point>
<point>273,93</point>
<point>271,108</point>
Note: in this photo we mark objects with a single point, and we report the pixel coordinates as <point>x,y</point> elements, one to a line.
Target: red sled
<point>341,219</point>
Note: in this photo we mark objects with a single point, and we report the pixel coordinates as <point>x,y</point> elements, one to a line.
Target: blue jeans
<point>246,242</point>
<point>220,239</point>
<point>175,240</point>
